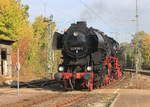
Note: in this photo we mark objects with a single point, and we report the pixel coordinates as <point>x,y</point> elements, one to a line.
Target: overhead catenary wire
<point>92,11</point>
<point>96,14</point>
<point>115,20</point>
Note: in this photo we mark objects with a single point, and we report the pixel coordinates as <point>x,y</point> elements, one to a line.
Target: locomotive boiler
<point>89,57</point>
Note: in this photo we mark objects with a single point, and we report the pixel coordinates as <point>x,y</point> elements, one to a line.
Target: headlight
<point>75,34</point>
<point>61,68</point>
<point>89,68</point>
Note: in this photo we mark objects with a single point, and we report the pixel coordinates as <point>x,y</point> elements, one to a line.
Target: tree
<point>128,54</point>
<point>43,29</point>
<point>40,43</point>
<point>141,41</point>
<point>32,39</point>
<point>13,19</point>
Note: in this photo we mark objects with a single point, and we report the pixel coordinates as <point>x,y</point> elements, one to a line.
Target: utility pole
<point>137,17</point>
<point>138,45</point>
<point>137,63</point>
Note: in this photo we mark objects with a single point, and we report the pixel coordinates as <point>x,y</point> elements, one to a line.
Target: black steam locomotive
<point>89,57</point>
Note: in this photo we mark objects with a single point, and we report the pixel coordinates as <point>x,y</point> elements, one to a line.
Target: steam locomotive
<point>89,57</point>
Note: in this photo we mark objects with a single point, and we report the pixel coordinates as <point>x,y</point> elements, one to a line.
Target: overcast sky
<point>114,17</point>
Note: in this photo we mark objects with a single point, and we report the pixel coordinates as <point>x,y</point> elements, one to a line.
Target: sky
<point>114,17</point>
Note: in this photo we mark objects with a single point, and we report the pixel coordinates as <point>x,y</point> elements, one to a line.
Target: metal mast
<point>138,44</point>
<point>50,53</point>
<point>137,17</point>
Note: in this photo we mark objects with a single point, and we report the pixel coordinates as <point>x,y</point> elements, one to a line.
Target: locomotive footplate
<point>69,79</point>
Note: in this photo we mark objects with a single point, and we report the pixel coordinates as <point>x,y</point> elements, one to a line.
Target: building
<point>5,57</point>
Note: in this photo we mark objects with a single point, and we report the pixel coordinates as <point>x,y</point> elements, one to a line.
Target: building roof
<point>7,41</point>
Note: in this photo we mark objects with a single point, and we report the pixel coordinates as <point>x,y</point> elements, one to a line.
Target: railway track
<point>118,83</point>
<point>69,100</point>
<point>55,100</point>
<point>33,101</point>
<point>65,100</point>
<point>129,80</point>
<point>123,83</point>
<point>60,98</point>
<point>50,100</point>
<point>6,91</point>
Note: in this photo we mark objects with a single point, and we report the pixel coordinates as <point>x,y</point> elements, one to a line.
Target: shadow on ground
<point>40,84</point>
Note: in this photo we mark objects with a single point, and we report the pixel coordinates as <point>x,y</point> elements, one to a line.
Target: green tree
<point>128,54</point>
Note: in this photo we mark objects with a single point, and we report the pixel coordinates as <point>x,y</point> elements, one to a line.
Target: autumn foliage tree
<point>32,38</point>
<point>141,43</point>
<point>43,30</point>
<point>13,19</point>
<point>14,25</point>
<point>40,44</point>
<point>143,40</point>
